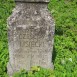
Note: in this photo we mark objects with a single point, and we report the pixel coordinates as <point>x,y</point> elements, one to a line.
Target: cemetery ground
<point>65,42</point>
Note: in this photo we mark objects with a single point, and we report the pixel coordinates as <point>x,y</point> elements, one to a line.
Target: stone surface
<point>33,0</point>
<point>30,34</point>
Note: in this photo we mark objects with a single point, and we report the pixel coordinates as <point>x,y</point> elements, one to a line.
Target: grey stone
<point>30,36</point>
<point>33,0</point>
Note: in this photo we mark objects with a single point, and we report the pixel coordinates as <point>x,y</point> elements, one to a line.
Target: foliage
<point>5,10</point>
<point>65,47</point>
<point>35,71</point>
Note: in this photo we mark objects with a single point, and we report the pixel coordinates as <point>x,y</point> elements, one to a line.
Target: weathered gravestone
<point>30,35</point>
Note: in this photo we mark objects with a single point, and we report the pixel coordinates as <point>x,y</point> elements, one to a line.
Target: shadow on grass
<point>54,55</point>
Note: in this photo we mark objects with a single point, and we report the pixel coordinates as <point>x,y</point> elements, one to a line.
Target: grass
<point>5,10</point>
<point>65,46</point>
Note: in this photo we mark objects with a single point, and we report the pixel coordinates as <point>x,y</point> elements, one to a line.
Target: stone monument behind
<point>30,36</point>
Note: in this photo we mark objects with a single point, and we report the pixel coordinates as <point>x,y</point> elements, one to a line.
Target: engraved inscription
<point>28,38</point>
<point>31,43</point>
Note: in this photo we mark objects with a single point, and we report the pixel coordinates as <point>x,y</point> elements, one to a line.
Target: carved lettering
<point>32,44</point>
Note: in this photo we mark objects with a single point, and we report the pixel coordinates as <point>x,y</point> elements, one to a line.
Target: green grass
<point>5,10</point>
<point>35,72</point>
<point>65,47</point>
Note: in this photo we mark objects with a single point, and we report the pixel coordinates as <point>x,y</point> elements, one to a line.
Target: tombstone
<point>30,36</point>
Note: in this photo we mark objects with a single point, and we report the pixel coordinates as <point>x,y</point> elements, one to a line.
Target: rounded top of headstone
<point>32,0</point>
